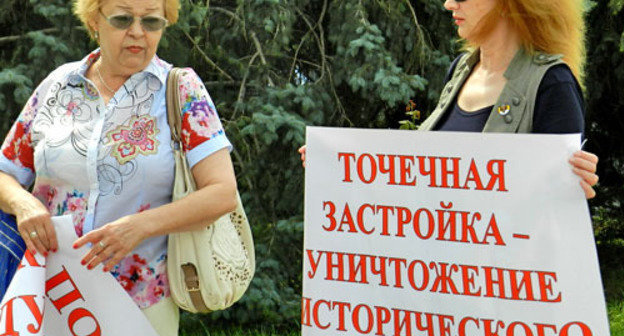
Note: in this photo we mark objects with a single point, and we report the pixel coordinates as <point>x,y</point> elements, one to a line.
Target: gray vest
<point>513,112</point>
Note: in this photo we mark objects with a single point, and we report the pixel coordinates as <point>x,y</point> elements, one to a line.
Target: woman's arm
<point>17,170</point>
<point>33,219</point>
<point>216,196</point>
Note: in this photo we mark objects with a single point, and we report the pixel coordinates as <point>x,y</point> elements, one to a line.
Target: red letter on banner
<point>30,260</point>
<point>582,326</point>
<point>35,311</point>
<point>29,300</point>
<point>347,165</point>
<point>546,280</point>
<point>343,308</point>
<point>315,313</point>
<point>7,311</point>
<point>66,299</point>
<point>78,314</point>
<point>305,311</point>
<point>496,175</point>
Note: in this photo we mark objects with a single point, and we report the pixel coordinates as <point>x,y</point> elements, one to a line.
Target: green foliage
<point>605,102</point>
<point>616,7</point>
<point>605,79</point>
<point>608,223</point>
<point>413,115</point>
<point>374,73</point>
<point>14,77</point>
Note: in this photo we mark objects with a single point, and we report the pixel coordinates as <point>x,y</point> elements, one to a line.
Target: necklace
<point>103,82</point>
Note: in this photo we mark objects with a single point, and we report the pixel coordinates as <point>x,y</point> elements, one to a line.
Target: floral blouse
<point>101,162</point>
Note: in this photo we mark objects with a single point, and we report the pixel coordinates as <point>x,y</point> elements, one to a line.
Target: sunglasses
<point>124,21</point>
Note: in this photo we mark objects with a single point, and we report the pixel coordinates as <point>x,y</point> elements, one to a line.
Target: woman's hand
<point>584,165</point>
<point>302,151</point>
<point>111,243</point>
<point>35,226</point>
<point>216,196</point>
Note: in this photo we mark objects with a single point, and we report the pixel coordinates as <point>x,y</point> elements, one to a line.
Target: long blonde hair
<point>86,10</point>
<point>550,26</point>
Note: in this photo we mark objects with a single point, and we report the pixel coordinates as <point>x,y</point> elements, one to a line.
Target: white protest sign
<point>58,296</point>
<point>447,234</point>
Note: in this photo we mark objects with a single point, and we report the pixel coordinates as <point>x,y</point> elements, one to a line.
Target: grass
<point>611,257</point>
<point>195,325</point>
<point>240,332</point>
<point>616,318</point>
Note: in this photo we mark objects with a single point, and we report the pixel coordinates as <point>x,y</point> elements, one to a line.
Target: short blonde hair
<point>86,10</point>
<point>550,26</point>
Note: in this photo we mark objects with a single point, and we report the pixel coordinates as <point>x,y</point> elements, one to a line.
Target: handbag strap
<point>173,105</point>
<point>174,118</point>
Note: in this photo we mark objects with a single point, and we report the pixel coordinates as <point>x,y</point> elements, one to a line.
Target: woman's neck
<point>497,52</point>
<point>111,79</point>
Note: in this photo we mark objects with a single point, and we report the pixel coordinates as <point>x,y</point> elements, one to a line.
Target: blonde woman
<point>94,140</point>
<point>522,73</point>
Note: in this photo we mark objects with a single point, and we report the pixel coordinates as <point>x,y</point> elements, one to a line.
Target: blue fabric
<point>12,249</point>
<point>463,121</point>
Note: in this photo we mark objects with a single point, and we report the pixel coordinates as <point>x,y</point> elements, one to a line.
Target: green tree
<point>275,67</point>
<point>605,121</point>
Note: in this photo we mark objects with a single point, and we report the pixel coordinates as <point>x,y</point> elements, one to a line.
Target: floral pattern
<point>18,144</point>
<point>90,92</point>
<point>146,283</point>
<point>138,138</point>
<point>46,194</point>
<point>99,162</point>
<point>200,121</point>
<point>20,149</point>
<point>72,203</point>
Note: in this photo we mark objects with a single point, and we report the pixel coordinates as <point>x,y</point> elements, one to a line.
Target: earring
<point>96,34</point>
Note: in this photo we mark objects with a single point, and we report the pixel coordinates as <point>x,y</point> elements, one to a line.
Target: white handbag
<point>209,269</point>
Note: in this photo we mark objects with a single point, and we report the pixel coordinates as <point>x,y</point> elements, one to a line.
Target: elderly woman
<point>520,74</point>
<point>94,139</point>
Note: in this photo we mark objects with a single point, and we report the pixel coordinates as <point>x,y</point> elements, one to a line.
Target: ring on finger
<point>33,234</point>
<point>101,244</point>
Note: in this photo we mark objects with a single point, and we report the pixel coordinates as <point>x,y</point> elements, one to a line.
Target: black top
<point>559,106</point>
